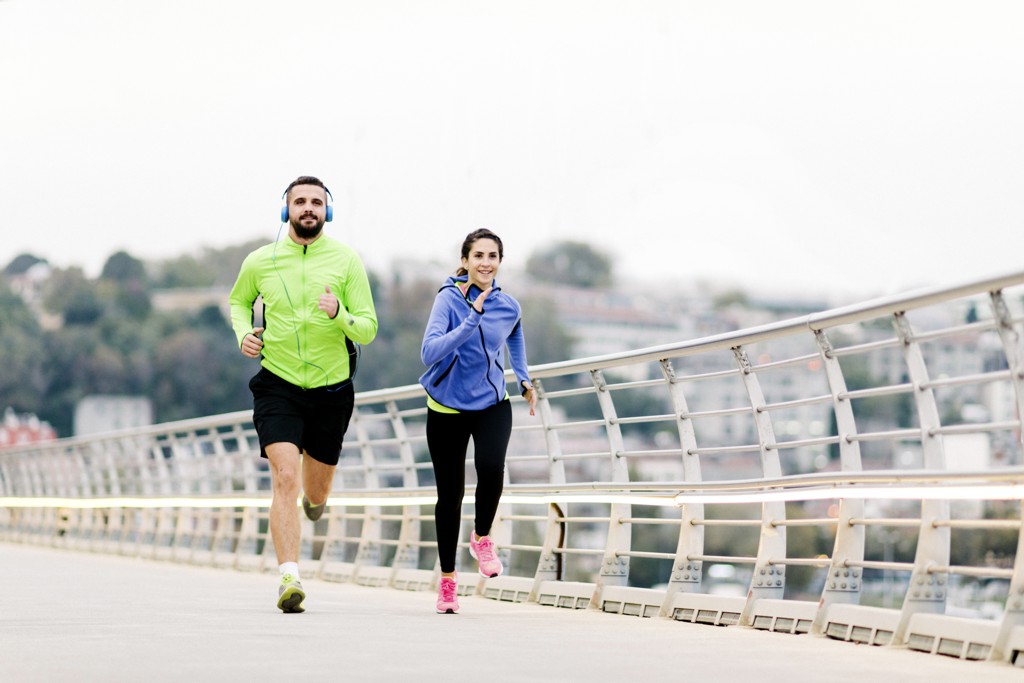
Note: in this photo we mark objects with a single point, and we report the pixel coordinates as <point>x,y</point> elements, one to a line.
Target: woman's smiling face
<point>483,262</point>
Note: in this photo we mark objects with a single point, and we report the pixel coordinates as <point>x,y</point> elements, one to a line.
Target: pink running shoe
<point>482,551</point>
<point>448,595</point>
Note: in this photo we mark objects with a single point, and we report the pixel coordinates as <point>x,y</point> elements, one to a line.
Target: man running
<point>316,302</point>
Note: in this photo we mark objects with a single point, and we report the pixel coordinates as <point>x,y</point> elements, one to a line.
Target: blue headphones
<point>330,207</point>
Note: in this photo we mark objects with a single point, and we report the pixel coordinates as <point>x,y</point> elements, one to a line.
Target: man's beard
<point>307,233</point>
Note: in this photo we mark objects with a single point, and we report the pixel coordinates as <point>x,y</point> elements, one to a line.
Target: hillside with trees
<point>73,336</point>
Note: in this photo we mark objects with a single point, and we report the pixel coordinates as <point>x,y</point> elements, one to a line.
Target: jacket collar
<point>454,281</point>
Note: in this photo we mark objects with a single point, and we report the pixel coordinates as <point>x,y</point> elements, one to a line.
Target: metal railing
<point>855,473</point>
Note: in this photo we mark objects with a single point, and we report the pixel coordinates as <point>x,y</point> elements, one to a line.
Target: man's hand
<point>328,303</point>
<point>252,345</point>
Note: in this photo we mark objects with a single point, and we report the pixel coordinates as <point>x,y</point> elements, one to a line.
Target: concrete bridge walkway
<point>71,616</point>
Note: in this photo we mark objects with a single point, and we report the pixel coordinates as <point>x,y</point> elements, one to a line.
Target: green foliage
<point>571,263</point>
<point>185,271</point>
<point>73,296</point>
<point>393,359</point>
<point>112,341</point>
<point>208,268</point>
<point>123,267</point>
<point>21,372</point>
<point>21,264</point>
<point>547,341</point>
<point>730,298</point>
<point>197,369</point>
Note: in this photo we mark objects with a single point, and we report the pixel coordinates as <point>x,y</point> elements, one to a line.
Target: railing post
<point>769,578</point>
<point>843,584</point>
<point>686,574</point>
<point>614,565</point>
<point>368,553</point>
<point>926,591</point>
<point>1013,347</point>
<point>550,565</point>
<point>407,552</point>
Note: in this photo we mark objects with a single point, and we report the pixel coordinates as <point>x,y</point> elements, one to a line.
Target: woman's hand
<point>530,394</point>
<point>478,303</point>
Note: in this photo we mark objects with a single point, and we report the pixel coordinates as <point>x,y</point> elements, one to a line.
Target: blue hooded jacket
<point>464,351</point>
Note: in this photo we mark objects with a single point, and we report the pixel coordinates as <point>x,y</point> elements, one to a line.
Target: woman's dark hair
<point>481,234</point>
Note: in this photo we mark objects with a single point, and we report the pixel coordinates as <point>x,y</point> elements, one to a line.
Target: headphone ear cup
<point>284,213</point>
<point>330,213</point>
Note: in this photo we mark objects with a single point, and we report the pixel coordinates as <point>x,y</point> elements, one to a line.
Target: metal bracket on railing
<point>615,566</point>
<point>687,572</point>
<point>903,329</point>
<point>844,580</point>
<point>668,370</point>
<point>742,360</point>
<point>926,587</point>
<point>368,555</point>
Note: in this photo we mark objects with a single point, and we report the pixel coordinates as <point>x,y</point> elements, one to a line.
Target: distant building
<point>192,299</point>
<point>99,413</point>
<point>18,430</point>
<point>29,286</point>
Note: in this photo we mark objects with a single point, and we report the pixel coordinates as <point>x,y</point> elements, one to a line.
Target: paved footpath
<point>72,616</point>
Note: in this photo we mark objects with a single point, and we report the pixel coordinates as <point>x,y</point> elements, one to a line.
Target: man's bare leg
<point>285,464</point>
<point>317,479</point>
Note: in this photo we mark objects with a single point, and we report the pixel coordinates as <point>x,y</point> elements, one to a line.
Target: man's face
<point>307,210</point>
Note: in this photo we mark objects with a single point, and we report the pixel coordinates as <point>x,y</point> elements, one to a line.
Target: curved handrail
<point>769,429</point>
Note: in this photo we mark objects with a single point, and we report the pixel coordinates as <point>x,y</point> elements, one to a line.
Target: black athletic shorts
<point>315,420</point>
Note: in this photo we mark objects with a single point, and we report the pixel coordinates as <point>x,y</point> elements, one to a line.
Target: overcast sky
<point>848,148</point>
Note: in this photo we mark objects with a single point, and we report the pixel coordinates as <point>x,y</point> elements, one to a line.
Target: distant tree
<point>123,267</point>
<point>729,298</point>
<point>134,300</point>
<point>205,268</point>
<point>21,263</point>
<point>21,372</point>
<point>68,373</point>
<point>177,393</point>
<point>572,263</point>
<point>547,340</point>
<point>185,271</point>
<point>197,370</point>
<point>71,294</point>
<point>393,359</point>
<point>226,262</point>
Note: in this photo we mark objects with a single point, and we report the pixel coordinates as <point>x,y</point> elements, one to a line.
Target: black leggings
<point>447,438</point>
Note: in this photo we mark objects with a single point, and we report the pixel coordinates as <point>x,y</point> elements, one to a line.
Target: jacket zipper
<point>487,373</point>
<point>305,323</point>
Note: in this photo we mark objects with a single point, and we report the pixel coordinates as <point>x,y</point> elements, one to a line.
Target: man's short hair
<point>307,180</point>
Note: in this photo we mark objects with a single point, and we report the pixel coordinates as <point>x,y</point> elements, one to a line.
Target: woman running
<point>471,323</point>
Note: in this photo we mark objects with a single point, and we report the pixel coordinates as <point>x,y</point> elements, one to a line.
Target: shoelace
<point>485,550</point>
<point>447,590</point>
